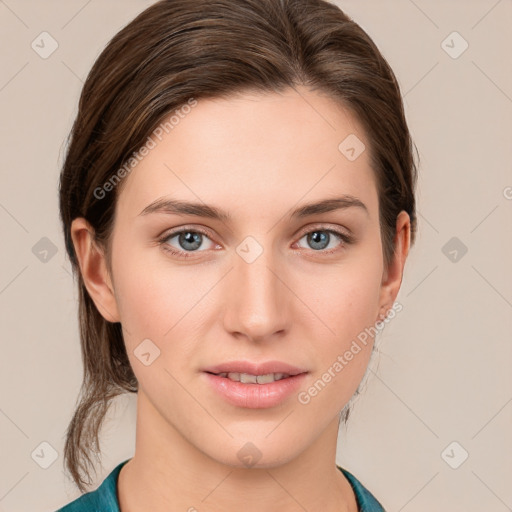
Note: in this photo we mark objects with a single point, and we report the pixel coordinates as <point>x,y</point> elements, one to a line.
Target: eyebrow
<point>179,207</point>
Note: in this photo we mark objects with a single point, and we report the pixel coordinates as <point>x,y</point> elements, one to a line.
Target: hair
<point>181,49</point>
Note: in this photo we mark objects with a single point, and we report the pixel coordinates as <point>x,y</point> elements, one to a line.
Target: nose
<point>256,298</point>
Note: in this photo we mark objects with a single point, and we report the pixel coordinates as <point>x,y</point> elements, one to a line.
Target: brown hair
<point>181,49</point>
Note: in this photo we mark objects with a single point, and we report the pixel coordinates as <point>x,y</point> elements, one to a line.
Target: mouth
<point>247,378</point>
<point>255,386</point>
<point>255,373</point>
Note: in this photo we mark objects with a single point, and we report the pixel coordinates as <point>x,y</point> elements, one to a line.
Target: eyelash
<point>345,238</point>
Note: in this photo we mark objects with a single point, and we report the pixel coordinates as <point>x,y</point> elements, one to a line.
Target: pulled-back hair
<point>176,50</point>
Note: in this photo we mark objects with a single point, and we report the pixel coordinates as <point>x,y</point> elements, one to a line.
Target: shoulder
<point>103,499</point>
<point>366,501</point>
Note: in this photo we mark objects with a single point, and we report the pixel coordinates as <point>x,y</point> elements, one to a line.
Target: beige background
<point>443,372</point>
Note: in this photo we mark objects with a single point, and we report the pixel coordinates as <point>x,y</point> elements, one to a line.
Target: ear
<point>94,270</point>
<point>392,275</point>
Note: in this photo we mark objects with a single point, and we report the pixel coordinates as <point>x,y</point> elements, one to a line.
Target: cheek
<point>347,303</point>
<point>163,302</point>
<point>347,298</point>
<point>151,297</point>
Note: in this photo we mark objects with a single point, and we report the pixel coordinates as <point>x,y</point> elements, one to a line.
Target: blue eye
<point>319,240</point>
<point>190,240</point>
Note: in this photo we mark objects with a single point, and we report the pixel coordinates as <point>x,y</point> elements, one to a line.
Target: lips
<point>254,385</point>
<point>247,378</point>
<point>255,395</point>
<point>256,369</point>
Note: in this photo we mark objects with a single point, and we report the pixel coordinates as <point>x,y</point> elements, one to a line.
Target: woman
<point>238,204</point>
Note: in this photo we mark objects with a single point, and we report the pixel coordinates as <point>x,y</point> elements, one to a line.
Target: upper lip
<point>251,368</point>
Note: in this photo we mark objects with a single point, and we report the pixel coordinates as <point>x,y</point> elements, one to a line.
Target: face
<point>261,283</point>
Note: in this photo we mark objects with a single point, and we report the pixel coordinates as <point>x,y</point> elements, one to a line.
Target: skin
<point>258,156</point>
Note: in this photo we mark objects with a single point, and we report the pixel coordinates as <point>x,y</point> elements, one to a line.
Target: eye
<point>187,240</point>
<point>324,240</point>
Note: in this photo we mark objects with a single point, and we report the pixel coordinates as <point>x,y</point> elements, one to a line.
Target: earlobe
<point>94,270</point>
<point>393,274</point>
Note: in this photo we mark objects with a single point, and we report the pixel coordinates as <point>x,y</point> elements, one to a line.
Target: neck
<point>168,472</point>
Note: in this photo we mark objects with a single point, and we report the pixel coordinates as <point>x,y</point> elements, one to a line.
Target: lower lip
<point>255,396</point>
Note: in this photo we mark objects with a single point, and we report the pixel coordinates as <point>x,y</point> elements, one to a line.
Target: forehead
<point>254,149</point>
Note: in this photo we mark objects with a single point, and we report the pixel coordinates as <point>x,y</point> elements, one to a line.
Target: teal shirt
<point>104,498</point>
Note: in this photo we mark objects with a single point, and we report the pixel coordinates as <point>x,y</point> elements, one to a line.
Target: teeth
<point>246,378</point>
